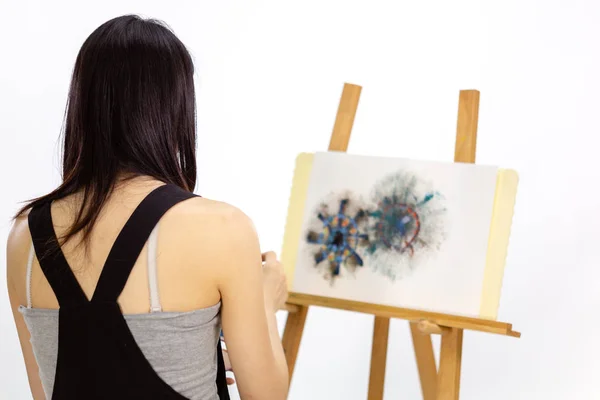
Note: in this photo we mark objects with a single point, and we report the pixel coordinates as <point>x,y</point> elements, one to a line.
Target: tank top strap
<point>28,275</point>
<point>132,239</point>
<point>51,259</point>
<point>155,305</point>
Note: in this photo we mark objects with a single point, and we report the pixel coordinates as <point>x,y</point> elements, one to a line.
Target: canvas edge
<point>295,215</point>
<point>498,241</point>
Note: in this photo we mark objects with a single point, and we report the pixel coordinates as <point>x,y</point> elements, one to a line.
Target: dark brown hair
<point>130,112</point>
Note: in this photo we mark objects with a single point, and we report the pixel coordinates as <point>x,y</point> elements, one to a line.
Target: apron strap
<point>132,239</point>
<point>51,258</point>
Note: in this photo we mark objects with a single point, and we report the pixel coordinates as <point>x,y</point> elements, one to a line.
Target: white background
<point>270,77</point>
<point>448,279</point>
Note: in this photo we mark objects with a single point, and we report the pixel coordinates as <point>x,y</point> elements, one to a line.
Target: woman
<point>120,279</point>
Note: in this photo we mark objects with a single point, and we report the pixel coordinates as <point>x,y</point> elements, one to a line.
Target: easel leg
<point>292,335</point>
<point>448,385</point>
<point>381,331</point>
<point>425,362</point>
<point>340,137</point>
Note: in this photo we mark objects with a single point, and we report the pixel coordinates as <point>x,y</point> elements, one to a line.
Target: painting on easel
<point>396,232</point>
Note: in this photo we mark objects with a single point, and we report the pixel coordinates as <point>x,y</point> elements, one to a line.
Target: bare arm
<point>16,260</point>
<point>249,323</point>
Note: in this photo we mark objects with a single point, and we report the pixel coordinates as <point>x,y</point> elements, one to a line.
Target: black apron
<point>98,358</point>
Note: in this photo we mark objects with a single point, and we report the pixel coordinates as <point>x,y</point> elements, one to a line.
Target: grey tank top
<point>180,346</point>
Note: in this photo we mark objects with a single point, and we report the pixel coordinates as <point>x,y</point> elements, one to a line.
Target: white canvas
<point>442,213</point>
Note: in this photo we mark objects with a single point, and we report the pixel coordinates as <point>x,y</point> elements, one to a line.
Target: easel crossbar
<point>451,321</point>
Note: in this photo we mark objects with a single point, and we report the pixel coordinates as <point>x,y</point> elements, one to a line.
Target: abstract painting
<point>391,230</point>
<point>395,231</point>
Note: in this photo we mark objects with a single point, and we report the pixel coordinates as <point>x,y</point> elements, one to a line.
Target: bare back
<point>187,281</point>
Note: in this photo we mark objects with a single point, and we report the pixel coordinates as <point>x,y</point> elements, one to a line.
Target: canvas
<point>405,233</point>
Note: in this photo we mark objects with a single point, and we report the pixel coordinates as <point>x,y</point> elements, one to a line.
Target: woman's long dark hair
<point>130,112</point>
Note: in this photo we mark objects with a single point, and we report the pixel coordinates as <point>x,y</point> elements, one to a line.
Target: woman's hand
<point>275,285</point>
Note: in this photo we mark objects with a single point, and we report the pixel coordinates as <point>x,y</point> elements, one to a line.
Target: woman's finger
<point>269,256</point>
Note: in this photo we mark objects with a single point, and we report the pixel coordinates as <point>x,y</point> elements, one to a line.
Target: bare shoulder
<point>19,238</point>
<point>211,215</point>
<point>212,232</point>
<point>17,249</point>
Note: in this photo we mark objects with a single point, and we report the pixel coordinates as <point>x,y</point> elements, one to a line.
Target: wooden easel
<point>442,384</point>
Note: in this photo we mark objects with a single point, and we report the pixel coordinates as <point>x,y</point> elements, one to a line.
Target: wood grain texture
<point>344,120</point>
<point>292,336</point>
<point>425,361</point>
<point>476,324</point>
<point>466,126</point>
<point>381,331</point>
<point>448,385</point>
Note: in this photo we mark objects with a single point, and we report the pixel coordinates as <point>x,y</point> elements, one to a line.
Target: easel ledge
<point>428,322</point>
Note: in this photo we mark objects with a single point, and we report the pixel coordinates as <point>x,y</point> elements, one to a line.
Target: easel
<point>435,385</point>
